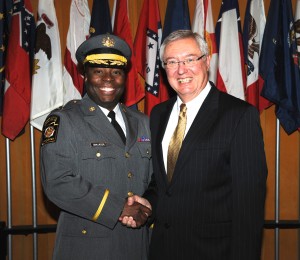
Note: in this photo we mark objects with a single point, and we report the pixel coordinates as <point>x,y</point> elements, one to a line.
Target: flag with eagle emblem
<point>146,46</point>
<point>254,26</point>
<point>279,64</point>
<point>47,83</point>
<point>20,51</point>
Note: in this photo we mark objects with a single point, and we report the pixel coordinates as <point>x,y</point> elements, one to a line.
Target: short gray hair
<point>183,34</point>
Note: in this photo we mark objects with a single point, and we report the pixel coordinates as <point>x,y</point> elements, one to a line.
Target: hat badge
<point>108,42</point>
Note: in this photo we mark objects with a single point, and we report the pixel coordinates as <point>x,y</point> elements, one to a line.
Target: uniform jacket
<point>213,209</point>
<point>88,172</point>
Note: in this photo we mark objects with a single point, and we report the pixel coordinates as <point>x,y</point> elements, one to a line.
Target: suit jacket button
<point>83,231</point>
<point>130,194</point>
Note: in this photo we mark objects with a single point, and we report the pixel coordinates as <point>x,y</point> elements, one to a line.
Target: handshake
<point>135,212</point>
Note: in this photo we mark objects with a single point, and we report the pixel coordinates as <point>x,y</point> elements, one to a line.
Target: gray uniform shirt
<point>88,172</point>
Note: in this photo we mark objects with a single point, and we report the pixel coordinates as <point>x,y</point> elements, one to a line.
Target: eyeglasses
<point>189,62</point>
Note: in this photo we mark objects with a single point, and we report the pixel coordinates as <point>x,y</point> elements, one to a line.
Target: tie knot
<point>112,115</point>
<point>183,109</point>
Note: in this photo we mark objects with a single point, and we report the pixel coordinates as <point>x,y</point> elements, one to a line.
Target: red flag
<point>146,46</point>
<point>134,91</point>
<point>17,93</point>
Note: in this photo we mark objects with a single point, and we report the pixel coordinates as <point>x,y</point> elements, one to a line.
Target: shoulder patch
<point>50,129</point>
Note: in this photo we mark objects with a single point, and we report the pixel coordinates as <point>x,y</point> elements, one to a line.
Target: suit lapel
<point>203,122</point>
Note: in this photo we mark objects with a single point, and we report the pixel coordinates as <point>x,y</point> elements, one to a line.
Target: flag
<point>254,26</point>
<point>279,64</point>
<point>47,83</point>
<point>5,18</point>
<point>134,91</point>
<point>203,24</point>
<point>100,19</point>
<point>177,17</point>
<point>78,32</point>
<point>297,29</point>
<point>231,77</point>
<point>146,46</point>
<point>16,105</point>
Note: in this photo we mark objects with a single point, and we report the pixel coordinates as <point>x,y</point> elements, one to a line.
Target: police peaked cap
<point>105,50</point>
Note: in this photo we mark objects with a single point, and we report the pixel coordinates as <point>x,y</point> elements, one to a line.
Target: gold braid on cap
<point>106,59</point>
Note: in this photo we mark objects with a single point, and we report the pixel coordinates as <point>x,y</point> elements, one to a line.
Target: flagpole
<point>277,189</point>
<point>8,182</point>
<point>33,179</point>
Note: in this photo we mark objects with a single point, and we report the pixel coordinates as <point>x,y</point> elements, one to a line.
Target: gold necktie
<point>176,141</point>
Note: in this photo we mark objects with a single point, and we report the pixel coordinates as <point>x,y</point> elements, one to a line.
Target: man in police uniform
<point>88,170</point>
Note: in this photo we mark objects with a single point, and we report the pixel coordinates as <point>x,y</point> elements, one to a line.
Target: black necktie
<point>118,128</point>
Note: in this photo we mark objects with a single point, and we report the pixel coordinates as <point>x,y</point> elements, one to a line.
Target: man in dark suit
<point>89,167</point>
<point>209,202</point>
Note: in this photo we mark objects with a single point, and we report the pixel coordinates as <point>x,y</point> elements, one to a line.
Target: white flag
<point>204,25</point>
<point>231,76</point>
<point>47,85</point>
<point>78,32</point>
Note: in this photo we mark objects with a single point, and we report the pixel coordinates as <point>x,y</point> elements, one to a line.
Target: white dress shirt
<point>192,109</point>
<point>119,117</point>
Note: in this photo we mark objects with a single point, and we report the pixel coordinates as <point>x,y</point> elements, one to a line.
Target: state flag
<point>134,91</point>
<point>203,24</point>
<point>146,46</point>
<point>78,32</point>
<point>20,51</point>
<point>177,17</point>
<point>279,64</point>
<point>254,26</point>
<point>47,83</point>
<point>231,77</point>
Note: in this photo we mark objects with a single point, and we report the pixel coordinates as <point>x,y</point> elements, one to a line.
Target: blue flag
<point>177,17</point>
<point>100,18</point>
<point>279,65</point>
<point>5,18</point>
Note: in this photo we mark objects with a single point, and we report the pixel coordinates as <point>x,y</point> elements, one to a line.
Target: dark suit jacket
<point>214,206</point>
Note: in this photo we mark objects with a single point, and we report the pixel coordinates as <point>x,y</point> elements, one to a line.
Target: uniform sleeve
<point>249,173</point>
<point>61,180</point>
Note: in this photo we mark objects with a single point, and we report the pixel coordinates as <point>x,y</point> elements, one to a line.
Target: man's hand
<point>134,213</point>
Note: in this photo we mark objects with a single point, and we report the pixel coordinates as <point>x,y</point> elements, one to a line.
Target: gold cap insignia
<point>108,42</point>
